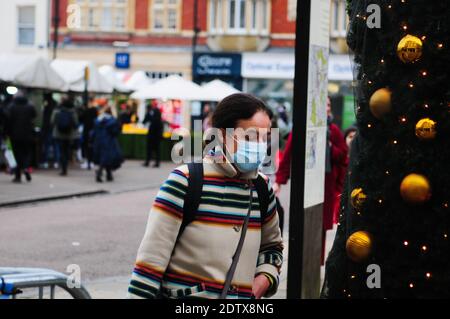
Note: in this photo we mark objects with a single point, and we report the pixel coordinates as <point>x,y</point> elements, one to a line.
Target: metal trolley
<point>14,280</point>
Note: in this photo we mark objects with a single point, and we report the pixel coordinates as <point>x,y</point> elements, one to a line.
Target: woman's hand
<point>260,286</point>
<point>276,189</point>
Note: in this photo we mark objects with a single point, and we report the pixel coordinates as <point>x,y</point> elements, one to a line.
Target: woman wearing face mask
<point>232,246</point>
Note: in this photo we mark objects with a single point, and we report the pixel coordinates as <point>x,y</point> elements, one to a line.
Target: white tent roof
<point>108,72</point>
<point>173,87</point>
<point>217,90</point>
<point>30,71</point>
<point>72,71</point>
<point>137,80</point>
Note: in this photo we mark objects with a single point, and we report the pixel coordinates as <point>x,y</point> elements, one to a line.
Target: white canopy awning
<point>173,87</point>
<point>30,71</point>
<point>108,72</point>
<point>72,71</point>
<point>217,90</point>
<point>137,80</point>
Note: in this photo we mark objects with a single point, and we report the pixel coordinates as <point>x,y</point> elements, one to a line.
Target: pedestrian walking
<point>20,129</point>
<point>125,114</point>
<point>50,148</point>
<point>106,150</point>
<point>65,124</point>
<point>154,136</point>
<point>349,135</point>
<point>87,119</point>
<point>213,229</point>
<point>335,168</point>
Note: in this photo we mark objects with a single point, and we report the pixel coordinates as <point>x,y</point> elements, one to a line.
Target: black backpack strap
<point>193,195</point>
<point>263,195</point>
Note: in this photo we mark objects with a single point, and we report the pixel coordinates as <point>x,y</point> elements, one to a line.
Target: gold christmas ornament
<point>358,198</point>
<point>415,189</point>
<point>409,49</point>
<point>426,129</point>
<point>380,103</point>
<point>359,246</point>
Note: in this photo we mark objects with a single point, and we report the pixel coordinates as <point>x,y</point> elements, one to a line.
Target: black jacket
<point>156,125</point>
<point>49,107</point>
<point>88,117</point>
<point>2,121</point>
<point>20,115</point>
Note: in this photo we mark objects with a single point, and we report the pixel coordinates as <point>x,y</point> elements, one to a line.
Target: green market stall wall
<point>134,146</point>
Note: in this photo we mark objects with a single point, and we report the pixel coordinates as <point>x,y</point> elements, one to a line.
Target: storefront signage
<point>122,60</point>
<point>340,68</point>
<point>268,66</point>
<point>212,64</point>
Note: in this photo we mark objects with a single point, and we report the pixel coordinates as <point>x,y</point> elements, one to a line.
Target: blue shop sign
<point>217,64</point>
<point>122,60</point>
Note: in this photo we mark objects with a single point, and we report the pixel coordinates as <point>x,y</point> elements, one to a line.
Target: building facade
<point>247,43</point>
<point>159,34</point>
<point>25,26</point>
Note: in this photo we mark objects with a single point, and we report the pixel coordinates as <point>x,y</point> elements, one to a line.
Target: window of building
<point>254,5</point>
<point>236,15</point>
<point>165,15</point>
<point>240,16</point>
<point>292,10</point>
<point>265,16</point>
<point>26,25</point>
<point>339,18</point>
<point>103,15</point>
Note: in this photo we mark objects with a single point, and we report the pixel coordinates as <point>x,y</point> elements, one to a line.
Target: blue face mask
<point>249,155</point>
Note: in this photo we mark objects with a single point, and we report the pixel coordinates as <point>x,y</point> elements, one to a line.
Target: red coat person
<point>334,180</point>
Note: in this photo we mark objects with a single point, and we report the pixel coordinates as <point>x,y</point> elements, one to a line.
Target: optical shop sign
<point>268,66</point>
<point>211,64</point>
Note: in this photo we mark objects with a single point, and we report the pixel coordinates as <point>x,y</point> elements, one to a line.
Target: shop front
<point>223,66</point>
<point>269,76</point>
<point>340,77</point>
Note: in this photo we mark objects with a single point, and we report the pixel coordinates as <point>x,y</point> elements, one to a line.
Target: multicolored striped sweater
<point>196,264</point>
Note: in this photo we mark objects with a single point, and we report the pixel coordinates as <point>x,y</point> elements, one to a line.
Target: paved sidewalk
<point>104,231</point>
<point>47,184</point>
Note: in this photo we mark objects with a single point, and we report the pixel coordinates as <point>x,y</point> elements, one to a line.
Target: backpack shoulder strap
<point>193,195</point>
<point>263,195</point>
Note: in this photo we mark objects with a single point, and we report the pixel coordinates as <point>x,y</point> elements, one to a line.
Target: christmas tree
<point>393,234</point>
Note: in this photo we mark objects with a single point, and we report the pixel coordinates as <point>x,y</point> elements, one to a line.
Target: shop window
<point>292,10</point>
<point>339,18</point>
<point>165,15</point>
<point>236,15</point>
<point>241,16</point>
<point>26,25</point>
<point>104,15</point>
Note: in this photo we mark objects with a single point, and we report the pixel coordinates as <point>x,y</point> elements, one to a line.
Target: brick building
<point>248,43</point>
<point>159,33</point>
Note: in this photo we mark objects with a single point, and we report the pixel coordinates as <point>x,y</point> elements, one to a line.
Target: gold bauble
<point>409,49</point>
<point>415,189</point>
<point>359,246</point>
<point>380,103</point>
<point>358,198</point>
<point>426,129</point>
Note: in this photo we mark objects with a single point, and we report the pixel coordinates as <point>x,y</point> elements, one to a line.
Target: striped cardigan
<point>197,264</point>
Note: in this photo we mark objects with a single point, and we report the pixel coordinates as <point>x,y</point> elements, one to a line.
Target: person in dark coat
<point>125,114</point>
<point>2,122</point>
<point>88,117</point>
<point>48,142</point>
<point>20,129</point>
<point>106,149</point>
<point>65,122</point>
<point>154,136</point>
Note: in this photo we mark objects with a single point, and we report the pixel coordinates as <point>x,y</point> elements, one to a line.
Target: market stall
<point>174,97</point>
<point>30,71</point>
<point>73,72</point>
